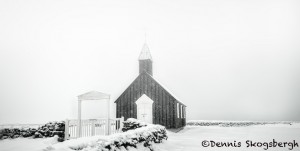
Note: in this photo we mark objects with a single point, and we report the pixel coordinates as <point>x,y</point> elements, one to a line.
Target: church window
<point>177,110</point>
<point>181,111</point>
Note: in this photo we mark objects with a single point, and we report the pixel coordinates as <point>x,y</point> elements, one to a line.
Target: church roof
<point>155,80</point>
<point>164,87</point>
<point>145,53</point>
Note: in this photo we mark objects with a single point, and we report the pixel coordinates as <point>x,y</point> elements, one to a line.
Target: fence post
<point>79,129</point>
<point>66,129</point>
<point>108,127</point>
<point>93,127</point>
<point>121,123</point>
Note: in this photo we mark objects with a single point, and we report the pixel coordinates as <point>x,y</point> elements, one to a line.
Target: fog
<point>225,60</point>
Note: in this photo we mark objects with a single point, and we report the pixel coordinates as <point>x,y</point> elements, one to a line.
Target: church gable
<point>145,84</point>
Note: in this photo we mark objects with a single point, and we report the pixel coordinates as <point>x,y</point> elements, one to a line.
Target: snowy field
<point>191,139</point>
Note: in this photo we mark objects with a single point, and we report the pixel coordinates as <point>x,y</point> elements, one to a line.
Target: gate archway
<point>93,95</point>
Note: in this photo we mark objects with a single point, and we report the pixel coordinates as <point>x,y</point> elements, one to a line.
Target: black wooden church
<point>147,100</point>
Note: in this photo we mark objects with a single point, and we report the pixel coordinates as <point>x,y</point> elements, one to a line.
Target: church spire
<point>145,60</point>
<point>145,53</point>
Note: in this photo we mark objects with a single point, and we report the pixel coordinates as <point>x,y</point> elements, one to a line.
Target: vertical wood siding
<point>164,105</point>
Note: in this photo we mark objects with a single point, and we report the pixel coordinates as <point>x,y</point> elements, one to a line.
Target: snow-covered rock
<point>131,124</point>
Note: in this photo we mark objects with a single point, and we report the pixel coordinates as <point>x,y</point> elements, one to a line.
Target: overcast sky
<point>226,60</point>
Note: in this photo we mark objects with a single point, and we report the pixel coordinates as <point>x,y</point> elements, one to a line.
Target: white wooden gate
<point>92,127</point>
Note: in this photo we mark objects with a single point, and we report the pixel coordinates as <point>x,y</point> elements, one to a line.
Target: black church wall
<point>164,106</point>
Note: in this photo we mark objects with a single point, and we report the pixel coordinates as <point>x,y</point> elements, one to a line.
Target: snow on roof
<point>145,53</point>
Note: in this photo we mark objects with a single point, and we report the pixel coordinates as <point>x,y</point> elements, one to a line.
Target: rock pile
<point>48,130</point>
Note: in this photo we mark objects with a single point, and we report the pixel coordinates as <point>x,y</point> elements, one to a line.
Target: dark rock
<point>32,131</point>
<point>16,136</point>
<point>26,134</point>
<point>51,128</point>
<point>59,133</point>
<point>38,135</point>
<point>60,139</point>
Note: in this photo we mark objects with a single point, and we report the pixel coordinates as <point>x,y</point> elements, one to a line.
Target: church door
<point>144,109</point>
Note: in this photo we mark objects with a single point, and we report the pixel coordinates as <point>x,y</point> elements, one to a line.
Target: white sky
<point>226,60</point>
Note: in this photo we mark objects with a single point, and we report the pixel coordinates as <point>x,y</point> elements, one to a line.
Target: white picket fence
<point>92,127</point>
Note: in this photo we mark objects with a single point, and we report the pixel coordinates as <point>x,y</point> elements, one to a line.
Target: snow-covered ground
<point>192,137</point>
<point>26,144</point>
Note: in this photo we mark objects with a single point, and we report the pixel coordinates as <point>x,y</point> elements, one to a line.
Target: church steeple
<point>145,60</point>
